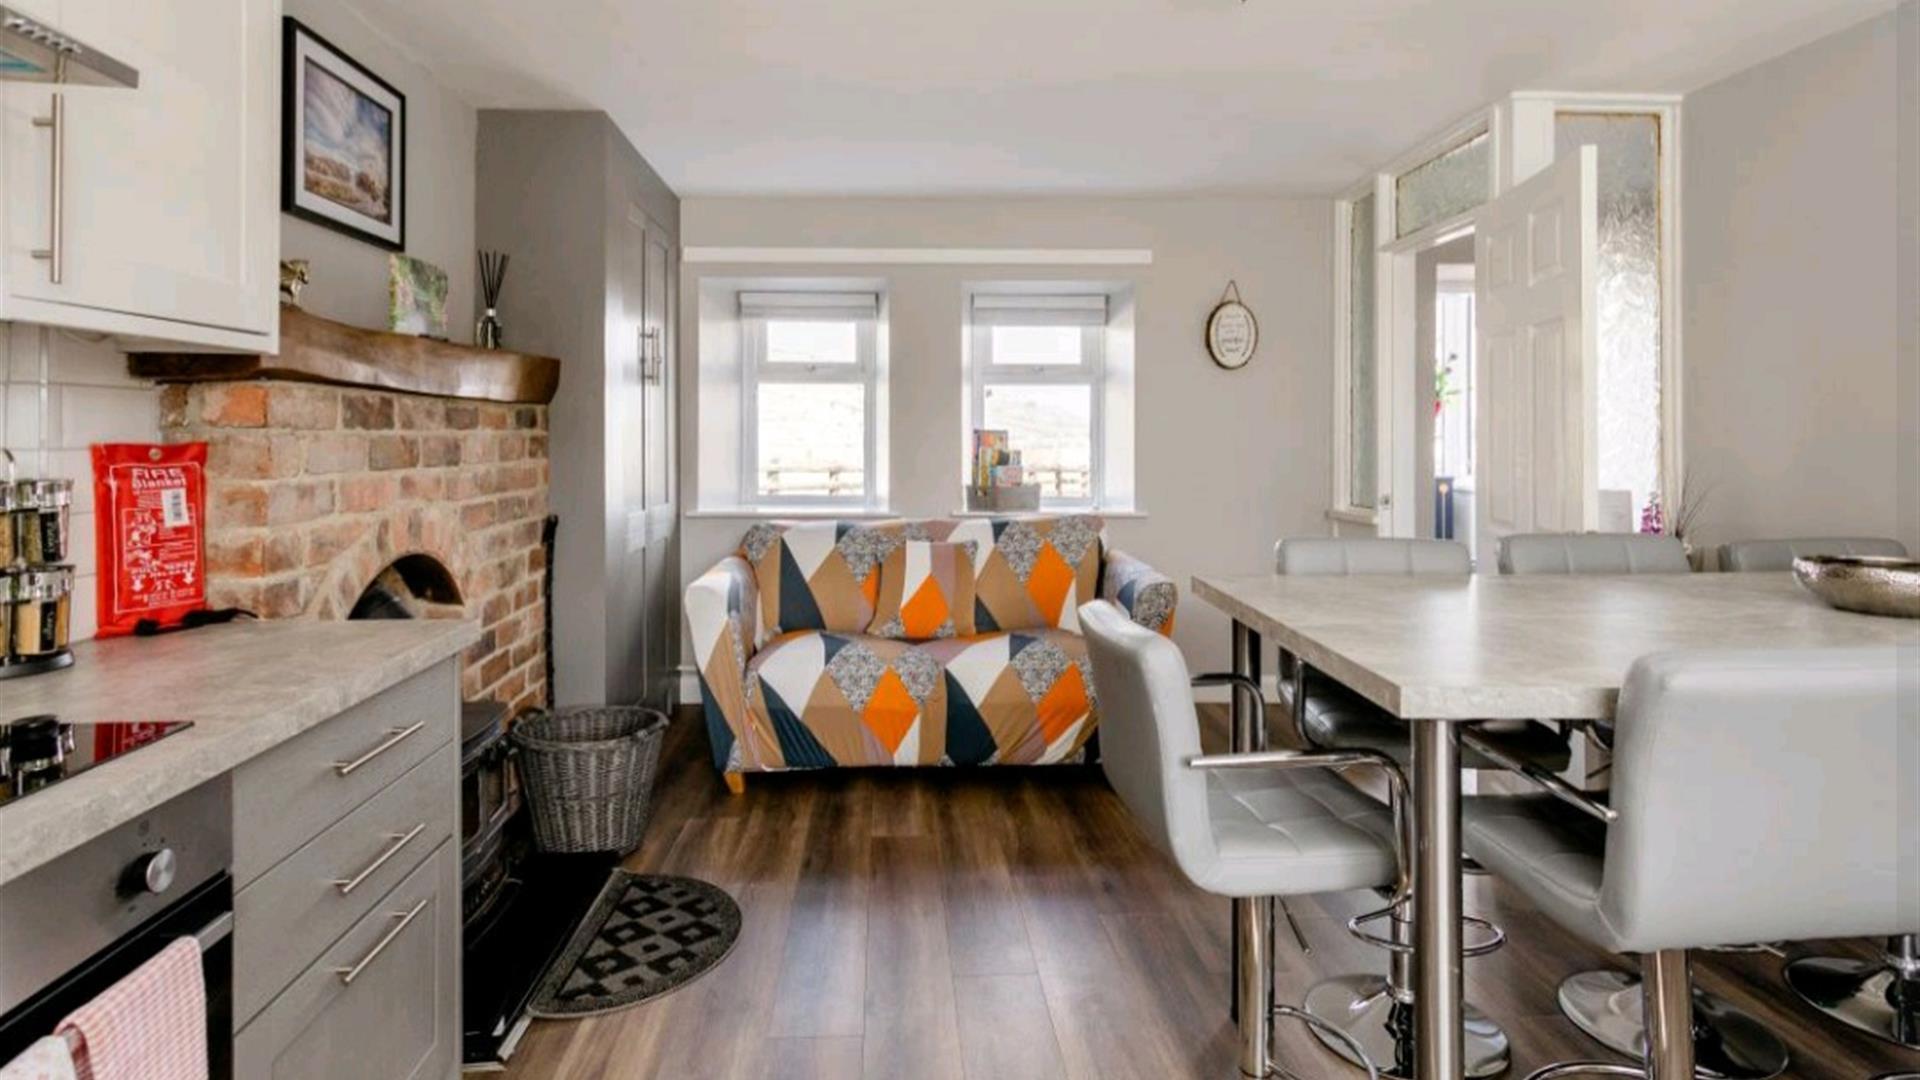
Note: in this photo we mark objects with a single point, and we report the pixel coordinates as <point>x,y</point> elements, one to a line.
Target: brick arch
<point>429,531</point>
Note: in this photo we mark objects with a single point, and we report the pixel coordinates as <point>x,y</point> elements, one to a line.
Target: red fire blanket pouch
<point>150,507</point>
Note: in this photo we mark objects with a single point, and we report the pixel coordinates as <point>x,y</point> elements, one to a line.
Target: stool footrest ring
<point>1494,940</point>
<point>1587,1068</point>
<point>1314,1022</point>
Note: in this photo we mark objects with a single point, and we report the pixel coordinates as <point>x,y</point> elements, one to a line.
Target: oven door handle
<point>215,932</point>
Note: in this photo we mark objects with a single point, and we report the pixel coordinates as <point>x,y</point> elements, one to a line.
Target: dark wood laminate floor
<point>1013,924</point>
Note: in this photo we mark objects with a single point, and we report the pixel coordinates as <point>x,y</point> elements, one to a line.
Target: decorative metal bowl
<point>1871,584</point>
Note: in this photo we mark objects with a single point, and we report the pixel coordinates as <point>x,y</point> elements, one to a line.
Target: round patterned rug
<point>647,934</point>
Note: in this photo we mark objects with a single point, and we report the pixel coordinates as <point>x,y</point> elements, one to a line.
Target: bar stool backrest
<point>1148,731</point>
<point>1765,795</point>
<point>1333,556</point>
<point>1775,555</point>
<point>1592,553</point>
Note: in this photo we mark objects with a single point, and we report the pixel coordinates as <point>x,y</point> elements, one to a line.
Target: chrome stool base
<point>1862,994</point>
<point>1363,1007</point>
<point>1608,1006</point>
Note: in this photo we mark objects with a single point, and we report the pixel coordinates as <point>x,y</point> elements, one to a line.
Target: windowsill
<point>1355,517</point>
<point>755,513</point>
<point>1108,514</point>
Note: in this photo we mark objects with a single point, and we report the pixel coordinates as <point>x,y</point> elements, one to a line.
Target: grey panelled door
<point>662,627</point>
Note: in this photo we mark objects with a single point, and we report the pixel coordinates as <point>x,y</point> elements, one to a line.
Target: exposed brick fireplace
<point>315,490</point>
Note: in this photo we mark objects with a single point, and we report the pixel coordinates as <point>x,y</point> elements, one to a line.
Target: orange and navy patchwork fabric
<point>794,672</point>
<point>926,592</point>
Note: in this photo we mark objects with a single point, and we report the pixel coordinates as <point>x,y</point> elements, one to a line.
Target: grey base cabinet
<point>347,902</point>
<point>399,1015</point>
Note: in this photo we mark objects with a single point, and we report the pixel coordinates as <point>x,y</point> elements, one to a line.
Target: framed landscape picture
<point>344,140</point>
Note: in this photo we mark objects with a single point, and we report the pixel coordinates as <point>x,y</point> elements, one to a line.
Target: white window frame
<point>759,308</point>
<point>1091,371</point>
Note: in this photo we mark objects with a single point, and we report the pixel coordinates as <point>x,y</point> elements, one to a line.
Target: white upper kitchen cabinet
<point>150,213</point>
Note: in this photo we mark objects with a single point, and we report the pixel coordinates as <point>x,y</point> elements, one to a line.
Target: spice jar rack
<point>36,579</point>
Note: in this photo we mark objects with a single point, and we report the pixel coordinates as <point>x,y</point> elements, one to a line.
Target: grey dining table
<point>1439,650</point>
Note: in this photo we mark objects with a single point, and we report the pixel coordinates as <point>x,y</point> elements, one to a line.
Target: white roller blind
<point>1015,309</point>
<point>809,305</point>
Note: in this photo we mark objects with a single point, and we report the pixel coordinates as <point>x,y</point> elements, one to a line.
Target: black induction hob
<point>39,751</point>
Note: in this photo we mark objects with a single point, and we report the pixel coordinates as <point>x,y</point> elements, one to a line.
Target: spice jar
<point>41,511</point>
<point>8,550</point>
<point>7,579</point>
<point>42,611</point>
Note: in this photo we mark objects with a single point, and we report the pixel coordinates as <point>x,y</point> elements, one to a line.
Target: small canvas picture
<point>416,297</point>
<point>345,139</point>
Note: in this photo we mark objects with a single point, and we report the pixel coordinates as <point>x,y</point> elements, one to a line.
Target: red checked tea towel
<point>46,1059</point>
<point>151,1025</point>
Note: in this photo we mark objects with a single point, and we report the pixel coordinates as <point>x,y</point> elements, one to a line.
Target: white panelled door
<point>1537,444</point>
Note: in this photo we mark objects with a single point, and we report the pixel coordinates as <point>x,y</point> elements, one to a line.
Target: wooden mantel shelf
<point>313,349</point>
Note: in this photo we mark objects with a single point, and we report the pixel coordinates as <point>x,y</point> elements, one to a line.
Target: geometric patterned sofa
<point>790,678</point>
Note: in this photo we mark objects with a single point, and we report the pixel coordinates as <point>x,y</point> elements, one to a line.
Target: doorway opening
<point>1444,377</point>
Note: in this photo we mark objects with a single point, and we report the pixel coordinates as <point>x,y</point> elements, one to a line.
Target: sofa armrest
<point>1148,595</point>
<point>721,618</point>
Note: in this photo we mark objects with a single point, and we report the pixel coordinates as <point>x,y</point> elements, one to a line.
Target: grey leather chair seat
<point>1308,828</point>
<point>1337,716</point>
<point>1553,852</point>
<point>1750,556</point>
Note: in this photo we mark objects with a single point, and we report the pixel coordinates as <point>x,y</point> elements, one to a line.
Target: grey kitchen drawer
<point>287,916</point>
<point>290,794</point>
<point>381,1002</point>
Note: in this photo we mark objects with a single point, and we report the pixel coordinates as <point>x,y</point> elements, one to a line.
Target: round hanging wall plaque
<point>1232,331</point>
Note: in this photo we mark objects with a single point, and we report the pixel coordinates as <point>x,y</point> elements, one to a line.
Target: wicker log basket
<point>589,775</point>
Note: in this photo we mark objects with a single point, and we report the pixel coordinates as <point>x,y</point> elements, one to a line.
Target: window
<point>809,400</point>
<point>1361,419</point>
<point>1444,186</point>
<point>1039,373</point>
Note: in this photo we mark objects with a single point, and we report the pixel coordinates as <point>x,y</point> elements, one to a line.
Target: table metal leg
<point>1244,736</point>
<point>1439,1042</point>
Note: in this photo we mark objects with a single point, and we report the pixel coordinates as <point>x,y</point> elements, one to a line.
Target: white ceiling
<point>911,97</point>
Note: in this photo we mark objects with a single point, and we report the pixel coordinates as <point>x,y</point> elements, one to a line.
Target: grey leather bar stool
<point>1376,1011</point>
<point>1776,555</point>
<point>1592,553</point>
<point>1882,998</point>
<point>1250,826</point>
<point>1756,796</point>
<point>1604,1003</point>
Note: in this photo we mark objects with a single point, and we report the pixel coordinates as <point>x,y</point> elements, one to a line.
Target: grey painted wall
<point>1227,462</point>
<point>1802,373</point>
<point>554,189</point>
<point>350,276</point>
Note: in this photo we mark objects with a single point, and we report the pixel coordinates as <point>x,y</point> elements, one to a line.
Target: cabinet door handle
<point>348,974</point>
<point>400,840</point>
<point>395,737</point>
<point>56,122</point>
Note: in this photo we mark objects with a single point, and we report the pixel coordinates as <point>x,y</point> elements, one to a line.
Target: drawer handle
<point>400,840</point>
<point>348,974</point>
<point>395,736</point>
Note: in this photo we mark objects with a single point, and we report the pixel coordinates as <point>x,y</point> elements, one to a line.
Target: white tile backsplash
<point>64,391</point>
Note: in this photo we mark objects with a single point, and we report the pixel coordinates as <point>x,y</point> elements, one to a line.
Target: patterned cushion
<point>1033,573</point>
<point>818,575</point>
<point>820,699</point>
<point>926,591</point>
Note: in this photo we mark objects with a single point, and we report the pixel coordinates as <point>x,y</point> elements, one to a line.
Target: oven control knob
<point>152,872</point>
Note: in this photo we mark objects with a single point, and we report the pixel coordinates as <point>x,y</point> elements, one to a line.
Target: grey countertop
<point>247,687</point>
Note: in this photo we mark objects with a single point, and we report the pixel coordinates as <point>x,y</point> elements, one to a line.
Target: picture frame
<point>343,138</point>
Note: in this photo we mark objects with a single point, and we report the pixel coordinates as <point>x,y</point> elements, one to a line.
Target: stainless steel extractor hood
<point>32,51</point>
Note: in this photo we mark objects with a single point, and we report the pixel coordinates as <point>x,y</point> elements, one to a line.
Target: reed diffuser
<point>493,271</point>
